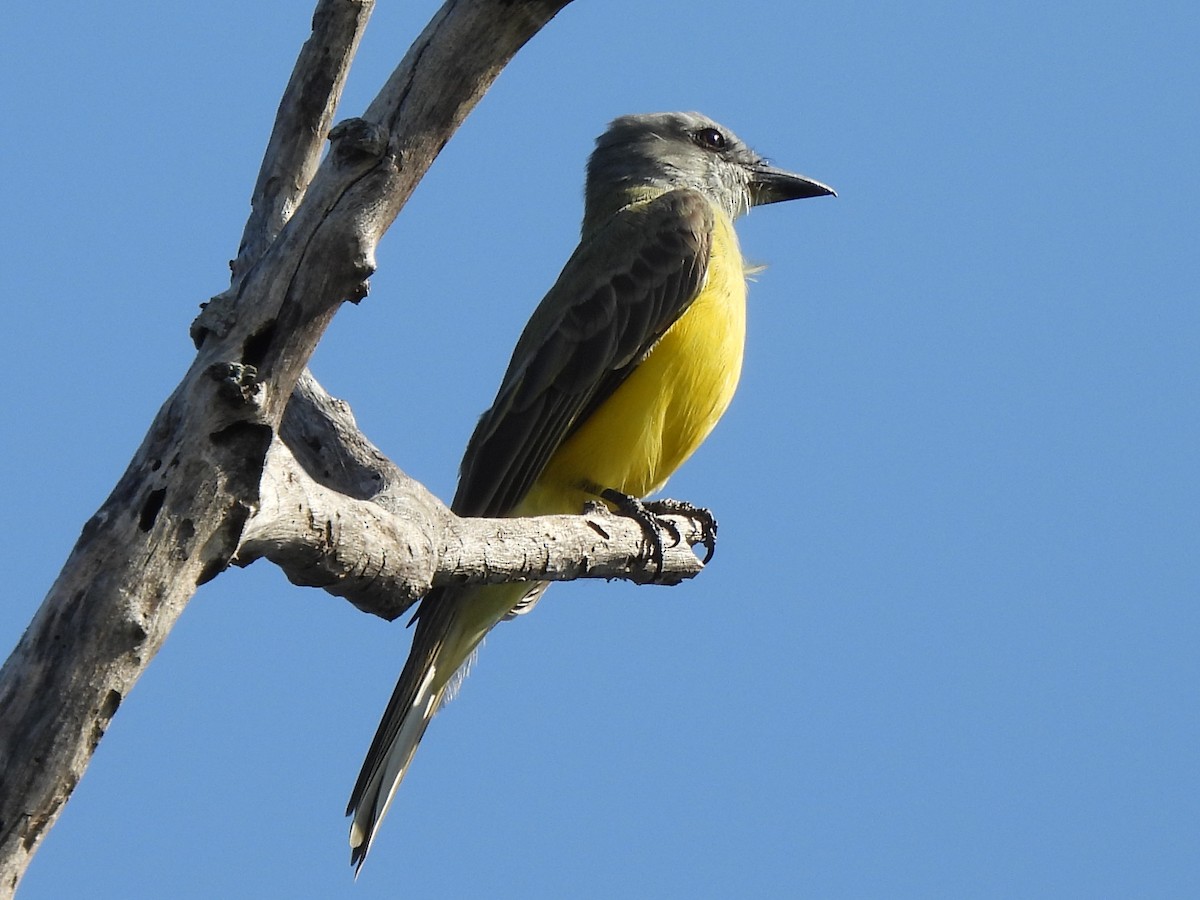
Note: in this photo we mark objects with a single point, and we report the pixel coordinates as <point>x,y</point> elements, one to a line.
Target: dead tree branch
<point>176,517</point>
<point>302,123</point>
<point>383,562</point>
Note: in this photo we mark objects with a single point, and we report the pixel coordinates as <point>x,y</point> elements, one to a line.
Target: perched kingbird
<point>622,371</point>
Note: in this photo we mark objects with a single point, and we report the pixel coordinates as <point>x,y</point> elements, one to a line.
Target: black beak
<point>771,185</point>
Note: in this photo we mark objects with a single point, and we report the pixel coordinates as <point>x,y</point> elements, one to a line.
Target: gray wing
<point>616,296</point>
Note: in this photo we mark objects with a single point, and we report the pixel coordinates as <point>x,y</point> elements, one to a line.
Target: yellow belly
<point>666,407</point>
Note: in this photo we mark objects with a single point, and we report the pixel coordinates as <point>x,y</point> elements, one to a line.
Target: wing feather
<point>617,295</point>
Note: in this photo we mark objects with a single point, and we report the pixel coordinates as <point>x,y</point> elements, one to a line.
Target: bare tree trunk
<point>250,458</point>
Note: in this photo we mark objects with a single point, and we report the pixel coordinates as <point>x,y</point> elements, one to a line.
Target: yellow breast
<point>667,406</point>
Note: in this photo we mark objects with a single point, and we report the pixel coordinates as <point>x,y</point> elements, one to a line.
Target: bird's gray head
<point>642,156</point>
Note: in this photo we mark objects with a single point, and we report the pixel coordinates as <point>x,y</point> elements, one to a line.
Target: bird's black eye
<point>709,139</point>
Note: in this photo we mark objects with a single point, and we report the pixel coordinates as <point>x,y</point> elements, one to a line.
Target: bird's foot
<point>708,522</point>
<point>649,515</point>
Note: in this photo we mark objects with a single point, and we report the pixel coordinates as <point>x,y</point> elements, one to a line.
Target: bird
<point>621,372</point>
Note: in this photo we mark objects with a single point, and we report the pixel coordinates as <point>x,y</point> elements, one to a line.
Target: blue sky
<point>948,643</point>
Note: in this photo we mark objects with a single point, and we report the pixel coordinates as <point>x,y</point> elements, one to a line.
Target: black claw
<point>647,514</point>
<point>635,509</point>
<point>708,521</point>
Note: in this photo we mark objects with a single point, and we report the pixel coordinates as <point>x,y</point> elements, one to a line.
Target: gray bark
<point>334,513</point>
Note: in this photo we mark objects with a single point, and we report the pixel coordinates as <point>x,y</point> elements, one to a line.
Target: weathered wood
<point>383,563</point>
<point>302,123</point>
<point>335,513</point>
<point>175,518</point>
